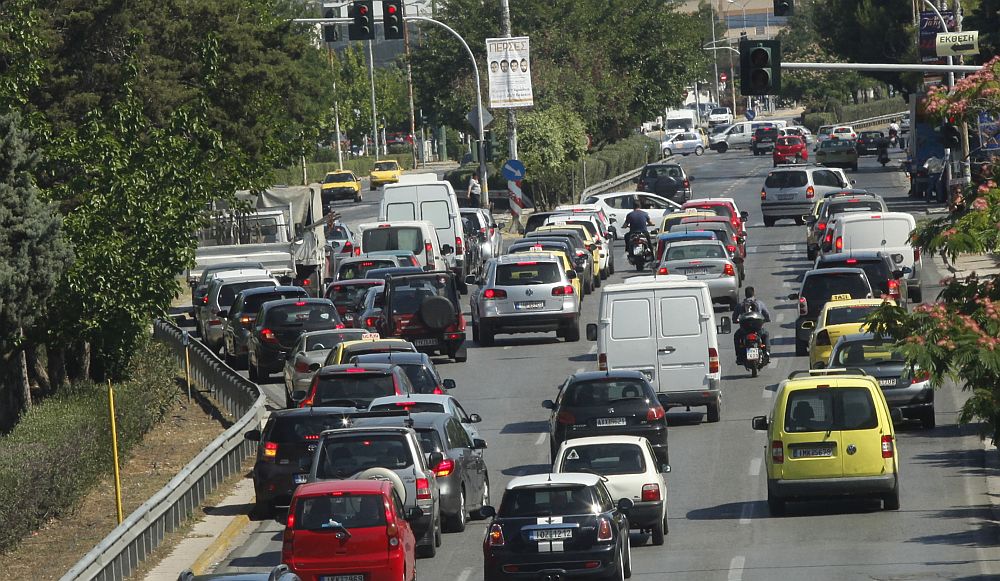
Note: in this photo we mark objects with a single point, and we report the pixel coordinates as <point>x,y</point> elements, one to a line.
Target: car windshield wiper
<point>626,398</point>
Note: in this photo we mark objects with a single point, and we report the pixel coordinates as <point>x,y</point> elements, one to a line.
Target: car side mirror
<point>479,444</point>
<point>487,512</point>
<point>690,178</point>
<point>896,414</point>
<point>664,467</point>
<point>625,504</point>
<point>793,296</point>
<point>299,395</point>
<point>759,423</point>
<point>470,279</point>
<point>906,270</point>
<point>571,274</point>
<point>448,383</point>
<point>434,458</point>
<point>314,367</point>
<point>252,435</point>
<point>613,219</point>
<point>808,324</point>
<point>549,404</point>
<point>413,513</point>
<point>474,419</point>
<point>447,249</point>
<point>854,182</point>
<point>725,326</point>
<point>591,331</point>
<point>635,180</point>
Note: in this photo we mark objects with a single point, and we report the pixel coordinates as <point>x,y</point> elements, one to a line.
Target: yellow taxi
<point>671,220</point>
<point>593,245</point>
<point>838,318</point>
<point>343,352</point>
<point>829,434</point>
<point>340,184</point>
<point>384,172</point>
<point>566,262</point>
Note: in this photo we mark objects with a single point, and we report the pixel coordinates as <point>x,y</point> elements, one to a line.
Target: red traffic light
<point>362,10</point>
<point>391,9</point>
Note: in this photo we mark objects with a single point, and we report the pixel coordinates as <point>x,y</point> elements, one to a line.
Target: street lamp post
<point>715,58</point>
<point>743,8</point>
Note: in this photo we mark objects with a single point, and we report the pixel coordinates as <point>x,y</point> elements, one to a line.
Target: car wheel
<point>373,187</point>
<point>713,411</point>
<point>459,355</point>
<point>811,254</point>
<point>801,347</point>
<point>456,523</point>
<point>588,287</point>
<point>485,334</point>
<point>768,222</point>
<point>229,359</point>
<point>357,198</point>
<point>437,533</point>
<point>890,501</point>
<point>289,402</point>
<point>627,566</point>
<point>658,533</point>
<point>427,551</point>
<point>699,150</point>
<point>723,147</point>
<point>475,332</point>
<point>800,221</point>
<point>916,294</point>
<point>263,511</point>
<point>620,568</point>
<point>598,279</point>
<point>572,332</point>
<point>929,420</point>
<point>611,264</point>
<point>252,374</point>
<point>486,497</point>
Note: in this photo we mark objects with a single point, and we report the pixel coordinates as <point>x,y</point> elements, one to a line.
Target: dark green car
<point>838,153</point>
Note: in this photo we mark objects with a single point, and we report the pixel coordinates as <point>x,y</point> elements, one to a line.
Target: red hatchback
<point>349,529</point>
<point>790,149</point>
<point>720,207</point>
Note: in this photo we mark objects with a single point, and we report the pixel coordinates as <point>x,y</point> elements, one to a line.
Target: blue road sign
<point>750,114</point>
<point>513,170</point>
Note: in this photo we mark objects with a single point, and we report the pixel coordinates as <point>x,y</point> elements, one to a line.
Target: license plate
<point>887,382</point>
<point>425,342</point>
<point>355,577</point>
<point>785,196</point>
<point>300,478</point>
<point>529,305</point>
<point>812,452</point>
<point>608,422</point>
<point>691,271</point>
<point>551,534</point>
<point>753,354</point>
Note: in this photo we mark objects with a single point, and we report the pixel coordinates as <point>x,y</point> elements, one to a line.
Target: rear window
<point>842,208</point>
<point>692,251</point>
<point>877,271</point>
<point>514,248</point>
<point>527,273</point>
<point>330,340</point>
<point>788,141</point>
<point>228,292</point>
<point>348,295</point>
<point>867,352</point>
<point>786,179</point>
<point>660,171</point>
<point>414,407</point>
<point>407,238</point>
<point>337,178</point>
<point>825,409</point>
<point>605,391</point>
<point>299,428</point>
<point>548,500</point>
<point>604,459</point>
<point>835,144</point>
<point>818,289</point>
<point>385,166</point>
<point>717,209</point>
<point>409,294</point>
<point>301,314</point>
<point>591,228</point>
<point>359,269</point>
<point>374,348</point>
<point>350,511</point>
<point>844,315</point>
<point>430,441</point>
<point>252,304</point>
<point>344,456</point>
<point>357,389</point>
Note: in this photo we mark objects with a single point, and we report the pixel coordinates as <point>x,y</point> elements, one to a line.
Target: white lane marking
<point>736,568</point>
<point>781,317</point>
<point>465,574</point>
<point>788,247</point>
<point>752,250</point>
<point>541,439</point>
<point>745,513</point>
<point>506,347</point>
<point>790,283</point>
<point>755,467</point>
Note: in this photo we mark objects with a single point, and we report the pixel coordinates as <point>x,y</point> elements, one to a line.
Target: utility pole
<point>511,115</point>
<point>966,162</point>
<point>371,76</point>
<point>409,87</point>
<point>715,59</point>
<point>336,107</point>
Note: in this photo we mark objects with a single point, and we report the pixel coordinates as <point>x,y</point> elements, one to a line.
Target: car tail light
<point>391,532</point>
<point>444,468</point>
<point>839,244</point>
<point>370,321</point>
<point>348,248</point>
<point>810,193</point>
<point>713,360</point>
<point>301,366</point>
<point>662,270</point>
<point>687,184</point>
<point>829,238</point>
<point>821,226</point>
<point>357,251</point>
<point>763,195</point>
<point>650,492</point>
<point>823,338</point>
<point>604,533</point>
<point>290,523</point>
<point>270,450</point>
<point>602,362</point>
<point>268,336</point>
<point>560,291</point>
<point>894,289</point>
<point>887,447</point>
<point>496,536</point>
<point>245,320</point>
<point>731,248</point>
<point>429,253</point>
<point>204,300</point>
<point>921,376</point>
<point>566,418</point>
<point>215,321</point>
<point>916,254</point>
<point>803,306</point>
<point>728,270</point>
<point>655,413</point>
<point>777,452</point>
<point>495,293</point>
<point>752,336</point>
<point>423,489</point>
<point>459,245</point>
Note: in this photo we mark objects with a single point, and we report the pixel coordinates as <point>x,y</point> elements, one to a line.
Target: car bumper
<point>828,487</point>
<point>275,483</point>
<point>722,288</point>
<point>339,193</point>
<point>503,564</point>
<point>789,157</point>
<point>374,568</point>
<point>531,322</point>
<point>763,146</point>
<point>838,162</point>
<point>693,397</point>
<point>382,181</point>
<point>645,515</point>
<point>271,359</point>
<point>789,209</point>
<point>916,397</point>
<point>441,343</point>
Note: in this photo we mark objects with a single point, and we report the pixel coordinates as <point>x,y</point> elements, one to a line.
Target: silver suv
<point>377,447</point>
<point>790,191</point>
<point>524,293</point>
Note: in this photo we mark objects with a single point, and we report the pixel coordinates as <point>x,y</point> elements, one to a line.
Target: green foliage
<point>813,121</point>
<point>984,17</point>
<point>20,65</point>
<point>62,447</point>
<point>353,94</point>
<point>840,113</point>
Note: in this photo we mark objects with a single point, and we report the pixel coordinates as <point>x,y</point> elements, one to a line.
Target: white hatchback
<point>631,471</point>
<point>617,205</point>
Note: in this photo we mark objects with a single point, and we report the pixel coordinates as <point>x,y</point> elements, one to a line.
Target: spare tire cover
<point>666,185</point>
<point>384,474</point>
<point>437,312</point>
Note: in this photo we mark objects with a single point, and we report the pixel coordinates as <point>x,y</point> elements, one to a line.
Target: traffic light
<point>392,19</point>
<point>330,30</point>
<point>363,26</point>
<point>783,7</point>
<point>951,134</point>
<point>760,67</point>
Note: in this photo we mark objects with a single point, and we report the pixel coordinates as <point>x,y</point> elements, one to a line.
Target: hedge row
<point>361,166</point>
<point>61,448</point>
<point>838,113</point>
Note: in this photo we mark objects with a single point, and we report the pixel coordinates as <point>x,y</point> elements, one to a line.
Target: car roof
<point>240,265</point>
<point>854,303</point>
<point>242,273</point>
<point>381,342</point>
<point>707,235</point>
<point>367,367</point>
<point>638,440</point>
<point>324,331</point>
<point>364,257</point>
<point>311,411</point>
<point>829,271</point>
<point>395,358</point>
<point>394,223</point>
<point>555,479</point>
<point>359,486</point>
<point>338,171</point>
<point>683,243</point>
<point>307,300</point>
<point>418,397</point>
<point>519,257</point>
<point>262,290</point>
<point>360,281</point>
<point>858,254</point>
<point>592,375</point>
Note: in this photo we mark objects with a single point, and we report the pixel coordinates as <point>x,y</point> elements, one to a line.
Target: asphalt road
<point>719,524</point>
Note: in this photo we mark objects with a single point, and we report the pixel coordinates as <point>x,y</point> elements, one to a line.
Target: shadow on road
<point>979,530</point>
<point>536,427</point>
<point>526,470</point>
<point>266,559</point>
<point>968,462</point>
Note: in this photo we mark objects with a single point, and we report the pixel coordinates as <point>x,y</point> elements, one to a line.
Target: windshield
<point>601,392</point>
<point>786,179</point>
<point>228,292</point>
<point>300,428</point>
<point>333,513</point>
<point>336,178</point>
<point>720,111</point>
<point>877,271</point>
<point>359,269</point>
<point>360,388</point>
<point>549,500</point>
<point>844,315</point>
<point>385,166</point>
<point>252,303</point>
<point>660,171</point>
<point>866,352</point>
<point>821,410</point>
<point>405,238</point>
<point>299,314</point>
<point>604,459</point>
<point>430,441</point>
<point>845,144</point>
<point>527,273</point>
<point>789,141</point>
<point>345,456</point>
<point>695,251</point>
<point>348,295</point>
<point>853,207</point>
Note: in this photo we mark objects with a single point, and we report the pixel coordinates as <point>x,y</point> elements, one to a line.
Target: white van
<point>886,232</point>
<point>425,197</point>
<point>738,135</point>
<point>666,329</point>
<point>417,236</point>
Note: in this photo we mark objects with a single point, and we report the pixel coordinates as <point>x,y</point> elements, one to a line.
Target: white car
<point>683,144</point>
<point>428,402</point>
<point>843,132</point>
<point>617,205</point>
<point>720,116</point>
<point>630,470</point>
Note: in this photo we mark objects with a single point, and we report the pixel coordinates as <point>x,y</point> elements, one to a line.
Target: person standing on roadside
<point>474,191</point>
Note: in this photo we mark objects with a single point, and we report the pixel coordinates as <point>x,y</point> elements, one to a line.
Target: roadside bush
<point>361,166</point>
<point>61,448</point>
<point>813,121</point>
<point>839,113</point>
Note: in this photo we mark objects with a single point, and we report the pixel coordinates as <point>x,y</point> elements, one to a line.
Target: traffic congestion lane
<point>719,527</point>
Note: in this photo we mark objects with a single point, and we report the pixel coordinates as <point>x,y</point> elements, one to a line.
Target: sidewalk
<point>984,265</point>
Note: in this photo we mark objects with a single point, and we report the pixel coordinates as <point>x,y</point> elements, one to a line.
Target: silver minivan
<point>789,192</point>
<point>221,293</point>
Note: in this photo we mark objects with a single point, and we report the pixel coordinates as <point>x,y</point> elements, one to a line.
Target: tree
<point>985,17</point>
<point>35,254</point>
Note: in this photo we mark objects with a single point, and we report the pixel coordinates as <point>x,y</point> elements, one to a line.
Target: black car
<point>763,139</point>
<point>558,526</point>
<point>418,367</point>
<point>818,288</point>
<point>665,179</point>
<point>910,392</point>
<point>868,141</point>
<point>425,310</point>
<point>277,328</point>
<point>348,294</point>
<point>285,447</point>
<point>240,318</point>
<point>884,276</point>
<point>354,386</point>
<point>605,403</point>
<point>200,287</point>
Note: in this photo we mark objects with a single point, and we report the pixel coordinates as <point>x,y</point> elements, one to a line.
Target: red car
<point>790,149</point>
<point>720,207</point>
<point>350,529</point>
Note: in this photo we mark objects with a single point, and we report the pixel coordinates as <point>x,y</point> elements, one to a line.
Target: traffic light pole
<point>511,114</point>
<point>371,76</point>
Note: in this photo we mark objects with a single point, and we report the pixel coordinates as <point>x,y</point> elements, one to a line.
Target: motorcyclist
<point>750,304</point>
<point>638,222</point>
<point>894,132</point>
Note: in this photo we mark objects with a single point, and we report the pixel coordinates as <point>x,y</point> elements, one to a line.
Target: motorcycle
<point>756,354</point>
<point>883,153</point>
<point>639,252</point>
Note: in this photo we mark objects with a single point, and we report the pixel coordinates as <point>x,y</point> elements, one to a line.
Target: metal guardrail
<point>121,552</point>
<point>613,184</point>
<point>875,121</point>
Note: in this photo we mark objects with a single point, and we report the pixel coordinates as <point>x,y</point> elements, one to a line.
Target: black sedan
<point>605,403</point>
<point>277,328</point>
<point>418,367</point>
